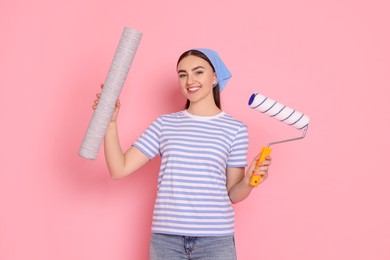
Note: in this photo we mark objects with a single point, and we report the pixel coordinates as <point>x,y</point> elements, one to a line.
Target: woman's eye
<point>199,72</point>
<point>182,75</point>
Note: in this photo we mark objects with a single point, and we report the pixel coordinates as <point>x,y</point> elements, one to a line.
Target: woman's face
<point>196,78</point>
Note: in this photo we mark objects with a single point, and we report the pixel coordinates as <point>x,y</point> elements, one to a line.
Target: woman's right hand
<point>117,105</point>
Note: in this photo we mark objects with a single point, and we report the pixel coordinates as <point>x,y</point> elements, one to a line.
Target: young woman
<point>203,158</point>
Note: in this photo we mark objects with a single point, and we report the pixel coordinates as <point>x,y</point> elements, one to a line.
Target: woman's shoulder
<point>233,120</point>
<point>170,116</point>
<point>177,114</point>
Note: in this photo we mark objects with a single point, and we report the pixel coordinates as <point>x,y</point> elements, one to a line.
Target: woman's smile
<point>193,89</point>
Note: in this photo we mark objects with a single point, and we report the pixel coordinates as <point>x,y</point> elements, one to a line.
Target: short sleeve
<point>239,150</point>
<point>149,141</point>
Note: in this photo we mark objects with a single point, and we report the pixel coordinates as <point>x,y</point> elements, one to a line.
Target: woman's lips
<point>193,89</point>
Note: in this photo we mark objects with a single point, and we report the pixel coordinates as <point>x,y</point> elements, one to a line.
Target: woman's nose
<point>190,80</point>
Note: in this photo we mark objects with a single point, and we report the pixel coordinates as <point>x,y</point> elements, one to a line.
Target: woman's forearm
<point>240,190</point>
<point>115,158</point>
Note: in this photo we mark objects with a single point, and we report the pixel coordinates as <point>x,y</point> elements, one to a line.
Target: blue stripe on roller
<point>270,107</point>
<point>288,116</point>
<point>303,127</point>
<point>260,104</point>
<point>279,111</point>
<point>297,120</point>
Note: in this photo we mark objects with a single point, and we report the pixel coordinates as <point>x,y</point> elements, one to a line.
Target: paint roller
<point>284,114</point>
<point>113,85</point>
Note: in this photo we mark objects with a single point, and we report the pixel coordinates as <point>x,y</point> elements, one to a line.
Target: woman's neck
<point>201,110</point>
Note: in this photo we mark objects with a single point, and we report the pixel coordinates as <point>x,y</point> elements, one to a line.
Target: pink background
<point>327,196</point>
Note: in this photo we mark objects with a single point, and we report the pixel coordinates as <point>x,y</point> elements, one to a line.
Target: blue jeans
<point>172,247</point>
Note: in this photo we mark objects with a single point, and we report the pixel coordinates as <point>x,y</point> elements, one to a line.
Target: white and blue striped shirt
<point>195,151</point>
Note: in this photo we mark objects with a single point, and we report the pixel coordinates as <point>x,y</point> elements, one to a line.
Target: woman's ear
<point>215,79</point>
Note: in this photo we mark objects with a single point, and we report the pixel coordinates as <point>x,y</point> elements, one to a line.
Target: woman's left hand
<point>261,170</point>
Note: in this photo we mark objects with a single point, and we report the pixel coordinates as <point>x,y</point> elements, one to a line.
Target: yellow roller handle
<point>255,179</point>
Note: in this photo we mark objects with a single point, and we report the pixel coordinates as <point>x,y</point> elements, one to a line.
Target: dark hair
<point>216,93</point>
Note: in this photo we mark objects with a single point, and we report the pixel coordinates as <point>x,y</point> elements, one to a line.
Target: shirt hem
<point>193,234</point>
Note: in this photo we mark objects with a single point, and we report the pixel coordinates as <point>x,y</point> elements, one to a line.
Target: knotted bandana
<point>222,72</point>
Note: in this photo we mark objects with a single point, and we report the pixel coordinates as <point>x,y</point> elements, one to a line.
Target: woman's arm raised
<point>119,164</point>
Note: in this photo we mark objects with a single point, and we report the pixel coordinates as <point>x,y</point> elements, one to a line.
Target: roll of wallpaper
<point>278,111</point>
<point>113,85</point>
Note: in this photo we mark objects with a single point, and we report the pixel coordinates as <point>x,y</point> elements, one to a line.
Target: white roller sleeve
<point>279,111</point>
<point>115,80</point>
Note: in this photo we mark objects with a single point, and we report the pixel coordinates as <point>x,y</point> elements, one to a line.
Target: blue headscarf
<point>222,72</point>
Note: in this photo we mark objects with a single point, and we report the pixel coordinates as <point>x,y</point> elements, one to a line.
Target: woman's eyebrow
<point>198,67</point>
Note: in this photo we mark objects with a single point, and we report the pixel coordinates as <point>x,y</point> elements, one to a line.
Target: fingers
<point>267,161</point>
<point>263,167</point>
<point>260,171</point>
<point>96,101</point>
<point>117,105</point>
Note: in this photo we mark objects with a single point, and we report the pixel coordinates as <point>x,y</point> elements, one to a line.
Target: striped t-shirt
<point>192,198</point>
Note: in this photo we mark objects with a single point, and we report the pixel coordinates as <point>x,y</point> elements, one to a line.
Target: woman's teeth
<point>193,89</point>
